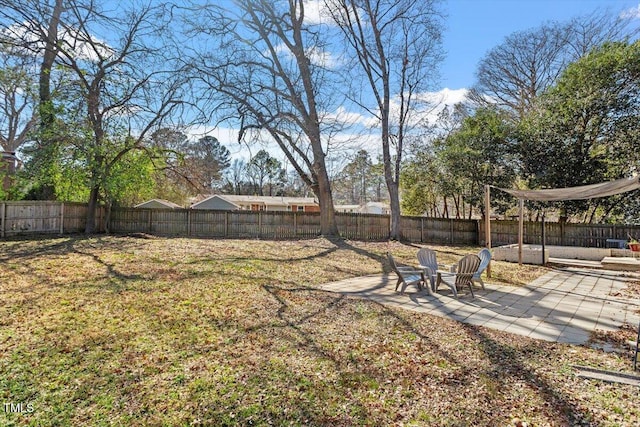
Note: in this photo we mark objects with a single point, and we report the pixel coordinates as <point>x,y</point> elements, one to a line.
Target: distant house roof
<point>158,204</point>
<point>375,207</point>
<point>239,200</point>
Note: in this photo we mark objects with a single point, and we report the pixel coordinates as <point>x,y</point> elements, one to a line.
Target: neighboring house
<point>347,208</point>
<point>258,203</point>
<point>158,204</point>
<point>378,208</point>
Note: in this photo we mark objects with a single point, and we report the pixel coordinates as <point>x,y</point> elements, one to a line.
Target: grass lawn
<point>173,331</point>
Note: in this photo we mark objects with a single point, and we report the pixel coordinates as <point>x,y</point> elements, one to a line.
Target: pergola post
<point>487,223</point>
<point>520,230</point>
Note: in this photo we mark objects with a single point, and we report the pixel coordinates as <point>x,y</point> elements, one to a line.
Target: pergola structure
<point>583,192</point>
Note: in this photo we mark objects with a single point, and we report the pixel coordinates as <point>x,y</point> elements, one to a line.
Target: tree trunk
<point>107,219</point>
<point>45,105</point>
<point>446,207</point>
<point>328,225</point>
<point>392,185</point>
<point>90,226</point>
<point>44,83</point>
<point>395,231</point>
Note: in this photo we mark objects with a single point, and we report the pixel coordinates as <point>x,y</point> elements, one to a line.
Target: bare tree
<point>120,82</point>
<point>266,73</point>
<point>396,46</point>
<point>513,74</point>
<point>236,176</point>
<point>126,88</point>
<point>354,183</point>
<point>31,29</point>
<point>18,100</point>
<point>50,52</point>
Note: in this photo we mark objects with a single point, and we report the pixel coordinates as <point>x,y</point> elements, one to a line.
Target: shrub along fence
<point>27,217</point>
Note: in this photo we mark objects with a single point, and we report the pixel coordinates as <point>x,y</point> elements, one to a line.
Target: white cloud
<point>317,56</point>
<point>345,117</point>
<point>89,50</point>
<point>429,106</point>
<point>633,13</point>
<point>439,101</point>
<point>446,96</point>
<point>322,58</point>
<point>316,13</point>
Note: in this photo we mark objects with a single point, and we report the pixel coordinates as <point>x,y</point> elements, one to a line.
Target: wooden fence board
<point>75,217</point>
<point>125,220</point>
<point>206,223</point>
<point>32,218</point>
<point>307,225</point>
<point>35,217</point>
<point>169,221</point>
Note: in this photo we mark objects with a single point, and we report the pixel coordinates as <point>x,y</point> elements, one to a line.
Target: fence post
<point>520,231</point>
<point>3,208</point>
<point>451,231</point>
<point>62,218</point>
<point>388,226</point>
<point>226,224</point>
<point>188,222</point>
<point>295,224</point>
<point>259,225</point>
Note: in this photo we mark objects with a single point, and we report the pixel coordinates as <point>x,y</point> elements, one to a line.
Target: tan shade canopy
<point>583,192</point>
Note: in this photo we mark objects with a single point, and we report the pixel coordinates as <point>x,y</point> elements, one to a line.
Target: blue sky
<point>476,26</point>
<point>472,28</point>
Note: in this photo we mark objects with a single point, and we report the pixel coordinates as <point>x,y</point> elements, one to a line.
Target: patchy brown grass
<point>161,331</point>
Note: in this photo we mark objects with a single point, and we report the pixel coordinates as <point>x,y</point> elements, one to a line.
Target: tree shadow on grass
<point>22,252</point>
<point>346,367</point>
<point>506,363</point>
<point>506,359</point>
<point>24,249</point>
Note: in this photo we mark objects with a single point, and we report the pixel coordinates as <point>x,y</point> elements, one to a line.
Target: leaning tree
<point>396,47</point>
<point>258,66</point>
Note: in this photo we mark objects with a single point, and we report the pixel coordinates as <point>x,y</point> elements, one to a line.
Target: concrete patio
<point>564,305</point>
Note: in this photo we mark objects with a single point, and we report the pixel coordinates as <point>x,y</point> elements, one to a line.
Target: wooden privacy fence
<point>286,225</point>
<point>244,224</point>
<point>440,230</point>
<point>28,217</point>
<point>558,234</point>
